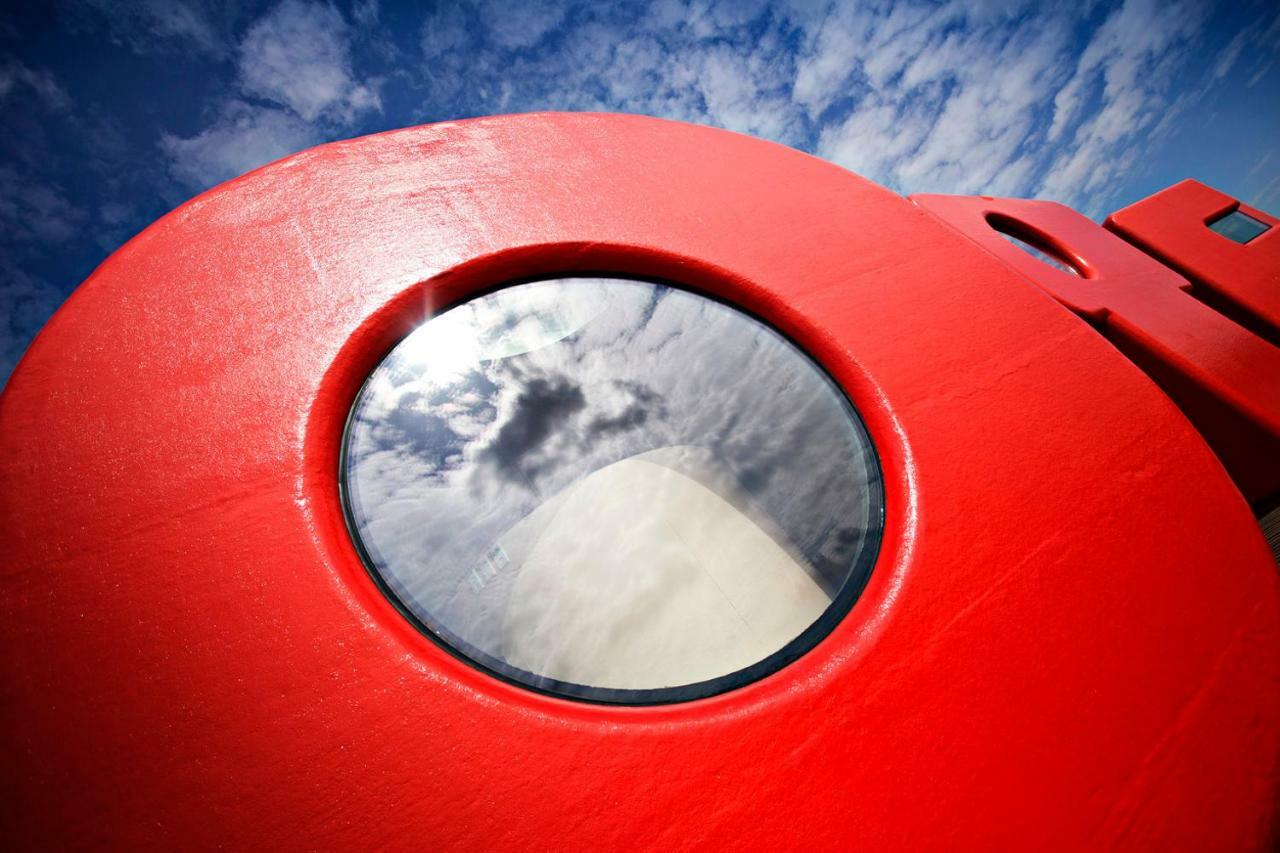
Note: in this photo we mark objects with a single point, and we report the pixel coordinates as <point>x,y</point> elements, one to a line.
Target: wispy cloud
<point>35,212</point>
<point>520,25</point>
<point>243,137</point>
<point>1124,75</point>
<point>1083,103</point>
<point>298,88</point>
<point>925,110</point>
<point>25,303</point>
<point>957,97</point>
<point>147,26</point>
<point>15,77</point>
<point>299,56</point>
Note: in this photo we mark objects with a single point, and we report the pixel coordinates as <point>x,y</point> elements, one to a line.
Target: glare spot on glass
<point>611,489</point>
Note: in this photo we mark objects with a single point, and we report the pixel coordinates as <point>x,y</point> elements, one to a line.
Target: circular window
<point>613,490</point>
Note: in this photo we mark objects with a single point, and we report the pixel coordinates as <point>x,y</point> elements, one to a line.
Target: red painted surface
<point>1071,639</point>
<point>1172,226</point>
<point>1226,378</point>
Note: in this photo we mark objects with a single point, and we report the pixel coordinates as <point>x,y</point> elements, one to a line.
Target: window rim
<point>489,665</point>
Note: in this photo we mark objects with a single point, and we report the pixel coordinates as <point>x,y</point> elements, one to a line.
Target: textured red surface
<point>1071,639</point>
<point>1226,378</point>
<point>1171,225</point>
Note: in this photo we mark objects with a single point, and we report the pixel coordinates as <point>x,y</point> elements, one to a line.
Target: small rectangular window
<point>1238,226</point>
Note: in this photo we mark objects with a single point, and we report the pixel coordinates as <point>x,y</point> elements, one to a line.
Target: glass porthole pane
<point>610,489</point>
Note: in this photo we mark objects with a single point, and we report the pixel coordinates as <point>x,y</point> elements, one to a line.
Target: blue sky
<point>114,113</point>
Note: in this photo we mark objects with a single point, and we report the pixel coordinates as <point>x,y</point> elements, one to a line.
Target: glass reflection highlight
<point>611,489</point>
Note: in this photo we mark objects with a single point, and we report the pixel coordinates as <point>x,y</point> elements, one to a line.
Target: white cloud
<point>36,217</point>
<point>444,32</point>
<point>15,76</point>
<point>365,12</point>
<point>299,55</point>
<point>965,96</point>
<point>26,302</point>
<point>823,69</point>
<point>35,212</point>
<point>918,96</point>
<point>1227,59</point>
<point>243,138</point>
<point>1268,198</point>
<point>150,25</point>
<point>874,138</point>
<point>748,93</point>
<point>520,25</point>
<point>960,97</point>
<point>708,63</point>
<point>1259,74</point>
<point>928,113</point>
<point>1127,68</point>
<point>1063,101</point>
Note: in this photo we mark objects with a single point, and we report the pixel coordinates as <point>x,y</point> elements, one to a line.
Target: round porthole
<point>612,490</point>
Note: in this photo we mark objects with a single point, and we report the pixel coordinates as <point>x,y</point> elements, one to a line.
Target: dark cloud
<point>632,417</point>
<point>724,400</point>
<point>645,403</point>
<point>541,407</point>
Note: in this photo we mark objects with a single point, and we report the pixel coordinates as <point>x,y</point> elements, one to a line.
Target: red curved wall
<point>1071,638</point>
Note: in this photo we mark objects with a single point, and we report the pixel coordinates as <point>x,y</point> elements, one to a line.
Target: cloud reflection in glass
<point>611,489</point>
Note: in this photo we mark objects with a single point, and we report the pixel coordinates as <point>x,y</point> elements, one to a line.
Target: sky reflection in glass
<point>612,489</point>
